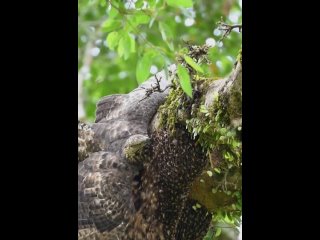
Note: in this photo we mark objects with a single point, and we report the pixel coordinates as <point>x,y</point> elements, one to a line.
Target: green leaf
<point>218,232</point>
<point>180,3</point>
<point>143,67</point>
<point>103,3</point>
<point>163,28</point>
<point>113,40</point>
<point>152,3</point>
<point>113,12</point>
<point>132,44</point>
<point>140,19</point>
<point>137,19</point>
<point>198,205</point>
<point>228,219</point>
<point>217,170</point>
<point>185,80</point>
<point>223,131</point>
<point>209,173</point>
<point>193,64</point>
<point>111,24</point>
<point>153,19</point>
<point>166,34</point>
<point>124,47</point>
<point>231,134</point>
<point>209,235</point>
<point>139,3</point>
<point>203,109</point>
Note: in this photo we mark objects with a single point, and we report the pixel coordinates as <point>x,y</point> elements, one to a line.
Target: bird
<point>134,183</point>
<point>107,174</point>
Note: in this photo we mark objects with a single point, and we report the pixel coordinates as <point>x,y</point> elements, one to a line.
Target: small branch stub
<point>227,28</point>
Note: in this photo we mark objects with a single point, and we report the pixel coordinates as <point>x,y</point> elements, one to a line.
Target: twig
<point>227,28</point>
<point>155,88</point>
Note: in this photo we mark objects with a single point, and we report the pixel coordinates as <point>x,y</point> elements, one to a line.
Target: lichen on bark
<point>213,117</point>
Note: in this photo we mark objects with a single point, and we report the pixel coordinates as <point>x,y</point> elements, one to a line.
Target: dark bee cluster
<point>166,211</point>
<point>194,222</point>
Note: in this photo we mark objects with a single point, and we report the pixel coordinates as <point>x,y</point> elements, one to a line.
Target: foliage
<point>127,41</point>
<point>121,43</point>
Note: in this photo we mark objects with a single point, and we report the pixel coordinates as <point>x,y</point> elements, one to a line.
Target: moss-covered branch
<point>208,190</point>
<point>214,118</point>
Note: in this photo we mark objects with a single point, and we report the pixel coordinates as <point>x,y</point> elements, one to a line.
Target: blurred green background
<point>162,33</point>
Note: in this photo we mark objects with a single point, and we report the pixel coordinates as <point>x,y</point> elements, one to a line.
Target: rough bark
<point>201,190</point>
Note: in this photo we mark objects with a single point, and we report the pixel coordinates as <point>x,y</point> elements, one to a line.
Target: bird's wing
<point>109,107</point>
<point>104,191</point>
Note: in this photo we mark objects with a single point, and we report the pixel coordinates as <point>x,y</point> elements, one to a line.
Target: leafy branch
<point>136,31</point>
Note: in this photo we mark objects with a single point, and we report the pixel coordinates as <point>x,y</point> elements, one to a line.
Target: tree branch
<point>227,28</point>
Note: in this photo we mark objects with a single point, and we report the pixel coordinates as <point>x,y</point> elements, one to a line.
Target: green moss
<point>214,130</point>
<point>178,106</point>
<point>171,108</point>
